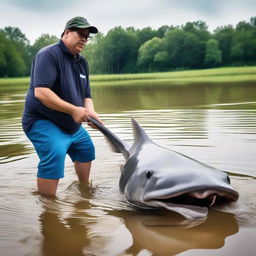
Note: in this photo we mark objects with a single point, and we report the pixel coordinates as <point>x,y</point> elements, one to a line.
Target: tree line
<point>16,52</point>
<point>130,50</point>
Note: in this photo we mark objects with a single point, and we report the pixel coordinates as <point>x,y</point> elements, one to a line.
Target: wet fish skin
<point>157,177</point>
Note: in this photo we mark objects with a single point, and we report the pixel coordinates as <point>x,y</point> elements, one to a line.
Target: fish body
<point>157,177</point>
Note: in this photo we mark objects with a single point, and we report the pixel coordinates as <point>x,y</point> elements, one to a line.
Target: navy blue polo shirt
<point>56,68</point>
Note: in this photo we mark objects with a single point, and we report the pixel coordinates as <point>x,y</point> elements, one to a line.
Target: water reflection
<point>63,225</point>
<point>60,238</point>
<point>165,234</point>
<point>79,228</point>
<point>126,98</point>
<point>13,152</point>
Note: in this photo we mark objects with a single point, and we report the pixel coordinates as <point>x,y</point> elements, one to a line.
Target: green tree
<point>213,54</point>
<point>195,26</point>
<point>243,49</point>
<point>15,63</point>
<point>120,46</point>
<point>42,41</point>
<point>191,51</point>
<point>161,60</point>
<point>244,26</point>
<point>21,43</point>
<point>225,36</point>
<point>131,59</point>
<point>16,35</point>
<point>11,60</point>
<point>198,43</point>
<point>237,52</point>
<point>174,41</point>
<point>161,32</point>
<point>152,55</point>
<point>253,22</point>
<point>145,34</point>
<point>186,45</point>
<point>3,63</point>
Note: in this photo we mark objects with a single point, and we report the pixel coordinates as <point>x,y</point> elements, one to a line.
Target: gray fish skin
<point>157,177</point>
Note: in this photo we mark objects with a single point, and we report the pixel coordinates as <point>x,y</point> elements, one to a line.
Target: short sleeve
<point>88,87</point>
<point>88,90</point>
<point>44,72</point>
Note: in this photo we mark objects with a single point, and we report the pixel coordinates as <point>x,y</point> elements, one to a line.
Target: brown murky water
<point>215,124</point>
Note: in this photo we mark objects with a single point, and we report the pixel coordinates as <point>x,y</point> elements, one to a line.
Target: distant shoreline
<point>214,75</point>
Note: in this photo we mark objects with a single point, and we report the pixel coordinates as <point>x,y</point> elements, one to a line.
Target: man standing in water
<point>58,101</point>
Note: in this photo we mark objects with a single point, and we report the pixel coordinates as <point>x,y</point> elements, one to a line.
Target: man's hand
<point>53,101</point>
<point>79,114</point>
<point>88,103</point>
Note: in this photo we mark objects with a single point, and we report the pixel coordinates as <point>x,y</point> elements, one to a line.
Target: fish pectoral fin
<point>188,211</point>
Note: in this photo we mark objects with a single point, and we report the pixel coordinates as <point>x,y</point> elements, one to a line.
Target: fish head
<point>170,180</point>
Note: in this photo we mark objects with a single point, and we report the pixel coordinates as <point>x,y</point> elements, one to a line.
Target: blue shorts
<point>52,145</point>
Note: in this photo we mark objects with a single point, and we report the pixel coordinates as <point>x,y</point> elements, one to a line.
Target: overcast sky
<point>36,17</point>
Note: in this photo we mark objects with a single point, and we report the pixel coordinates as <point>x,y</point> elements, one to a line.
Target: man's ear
<point>66,32</point>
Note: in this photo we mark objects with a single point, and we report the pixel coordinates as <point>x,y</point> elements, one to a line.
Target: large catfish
<point>157,177</point>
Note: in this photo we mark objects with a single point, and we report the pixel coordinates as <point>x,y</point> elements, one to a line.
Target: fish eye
<point>149,174</point>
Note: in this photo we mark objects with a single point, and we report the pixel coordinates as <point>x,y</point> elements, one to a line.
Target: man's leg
<point>51,145</point>
<point>82,153</point>
<point>83,170</point>
<point>47,187</point>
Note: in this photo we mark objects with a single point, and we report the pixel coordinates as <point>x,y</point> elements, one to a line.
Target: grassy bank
<point>217,75</point>
<point>14,81</point>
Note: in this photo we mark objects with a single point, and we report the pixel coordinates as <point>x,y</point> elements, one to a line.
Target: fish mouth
<point>198,198</point>
<point>206,199</point>
<point>190,200</point>
<point>193,204</point>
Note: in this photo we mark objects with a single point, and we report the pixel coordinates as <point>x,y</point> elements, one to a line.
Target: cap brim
<point>92,29</point>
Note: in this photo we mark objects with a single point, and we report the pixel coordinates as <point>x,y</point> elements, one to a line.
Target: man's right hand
<point>79,114</point>
<point>53,101</point>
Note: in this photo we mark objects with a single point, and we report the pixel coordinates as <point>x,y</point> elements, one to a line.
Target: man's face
<point>76,39</point>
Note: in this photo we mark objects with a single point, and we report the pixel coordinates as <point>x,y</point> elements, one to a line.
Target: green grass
<point>14,81</point>
<point>216,75</point>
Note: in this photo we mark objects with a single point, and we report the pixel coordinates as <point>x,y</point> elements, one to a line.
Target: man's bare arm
<point>88,104</point>
<point>53,101</point>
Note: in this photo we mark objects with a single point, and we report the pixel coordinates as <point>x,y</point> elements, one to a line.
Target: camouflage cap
<point>80,22</point>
